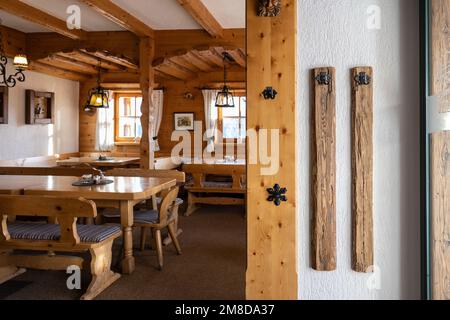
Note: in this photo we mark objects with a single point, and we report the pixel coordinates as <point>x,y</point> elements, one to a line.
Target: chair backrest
<point>166,204</point>
<point>174,174</point>
<point>66,212</point>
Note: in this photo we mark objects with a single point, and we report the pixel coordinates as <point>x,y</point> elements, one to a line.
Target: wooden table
<point>123,194</point>
<point>95,162</point>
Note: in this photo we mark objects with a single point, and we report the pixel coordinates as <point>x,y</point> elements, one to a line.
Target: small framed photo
<point>184,121</point>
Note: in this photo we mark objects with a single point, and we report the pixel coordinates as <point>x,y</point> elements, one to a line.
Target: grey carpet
<point>212,265</point>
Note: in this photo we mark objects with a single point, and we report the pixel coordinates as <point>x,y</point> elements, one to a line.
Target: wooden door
<point>272,247</point>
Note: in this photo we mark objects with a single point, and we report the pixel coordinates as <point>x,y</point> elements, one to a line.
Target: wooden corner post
<point>271,234</point>
<point>147,81</point>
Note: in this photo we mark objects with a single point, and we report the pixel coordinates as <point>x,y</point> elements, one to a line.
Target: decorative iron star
<point>277,194</point>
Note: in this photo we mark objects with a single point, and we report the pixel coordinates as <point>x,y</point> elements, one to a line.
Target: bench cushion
<point>51,232</point>
<point>178,201</point>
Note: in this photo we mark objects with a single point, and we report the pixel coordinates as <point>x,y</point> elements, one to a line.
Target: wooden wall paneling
<point>362,170</point>
<point>271,239</point>
<point>440,52</point>
<point>323,192</point>
<point>147,80</point>
<point>440,213</point>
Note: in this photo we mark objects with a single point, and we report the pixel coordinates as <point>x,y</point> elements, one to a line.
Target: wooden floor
<point>212,266</point>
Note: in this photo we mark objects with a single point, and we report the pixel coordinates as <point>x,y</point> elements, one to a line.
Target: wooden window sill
<point>127,143</point>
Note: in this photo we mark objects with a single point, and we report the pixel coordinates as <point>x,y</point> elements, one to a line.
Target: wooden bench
<point>204,191</point>
<point>65,236</point>
<point>44,161</point>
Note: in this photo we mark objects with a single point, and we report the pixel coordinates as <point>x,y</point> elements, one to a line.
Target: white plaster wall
<point>334,33</point>
<point>18,140</point>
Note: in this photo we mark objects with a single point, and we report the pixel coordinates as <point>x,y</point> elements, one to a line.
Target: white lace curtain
<point>209,97</point>
<point>158,107</point>
<point>104,140</point>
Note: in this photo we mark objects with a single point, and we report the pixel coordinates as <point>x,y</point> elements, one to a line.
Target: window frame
<point>117,96</point>
<point>220,118</point>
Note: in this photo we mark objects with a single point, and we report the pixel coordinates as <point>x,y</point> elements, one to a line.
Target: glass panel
<point>138,128</point>
<point>127,127</point>
<point>230,128</point>
<point>138,106</point>
<point>243,106</point>
<point>243,128</point>
<point>232,112</point>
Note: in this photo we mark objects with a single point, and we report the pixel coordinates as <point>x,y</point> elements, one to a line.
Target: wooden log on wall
<point>147,80</point>
<point>323,192</point>
<point>440,213</point>
<point>362,170</point>
<point>440,53</point>
<point>271,240</point>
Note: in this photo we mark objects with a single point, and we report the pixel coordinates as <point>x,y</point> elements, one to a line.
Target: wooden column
<point>147,80</point>
<point>362,169</point>
<point>323,150</point>
<point>271,234</point>
<point>440,52</point>
<point>440,211</point>
<point>88,121</point>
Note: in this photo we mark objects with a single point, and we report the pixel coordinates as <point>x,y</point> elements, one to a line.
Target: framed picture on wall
<point>184,121</point>
<point>39,107</point>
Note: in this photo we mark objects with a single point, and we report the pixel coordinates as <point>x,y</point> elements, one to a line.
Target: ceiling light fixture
<point>225,98</point>
<point>20,62</point>
<point>99,96</point>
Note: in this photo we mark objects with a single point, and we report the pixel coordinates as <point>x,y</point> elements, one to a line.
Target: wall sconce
<point>269,93</point>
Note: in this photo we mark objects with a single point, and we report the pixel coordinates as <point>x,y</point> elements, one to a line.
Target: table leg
<point>126,218</point>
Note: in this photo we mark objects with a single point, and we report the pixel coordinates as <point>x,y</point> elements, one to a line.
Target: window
<point>128,117</point>
<point>232,121</point>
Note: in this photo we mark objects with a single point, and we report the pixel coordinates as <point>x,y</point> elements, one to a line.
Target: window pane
<point>138,106</point>
<point>126,127</point>
<point>243,128</point>
<point>230,128</point>
<point>243,106</point>
<point>138,128</point>
<point>232,112</point>
<point>125,107</point>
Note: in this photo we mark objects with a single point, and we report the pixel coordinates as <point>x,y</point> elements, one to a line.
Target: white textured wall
<point>18,140</point>
<point>334,33</point>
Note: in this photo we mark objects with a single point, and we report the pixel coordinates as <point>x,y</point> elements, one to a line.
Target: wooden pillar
<point>271,233</point>
<point>147,80</point>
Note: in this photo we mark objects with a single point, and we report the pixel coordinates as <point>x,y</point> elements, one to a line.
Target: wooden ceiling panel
<point>70,64</point>
<point>122,61</point>
<point>57,72</point>
<point>92,60</point>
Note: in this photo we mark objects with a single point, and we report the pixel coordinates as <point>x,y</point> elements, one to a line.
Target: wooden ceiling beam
<point>113,12</point>
<point>42,18</point>
<point>168,42</point>
<point>239,57</point>
<point>203,16</point>
<point>122,61</point>
<point>57,72</point>
<point>90,59</point>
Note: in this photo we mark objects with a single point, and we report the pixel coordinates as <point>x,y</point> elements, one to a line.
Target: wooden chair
<point>158,220</point>
<point>65,236</point>
<point>174,174</point>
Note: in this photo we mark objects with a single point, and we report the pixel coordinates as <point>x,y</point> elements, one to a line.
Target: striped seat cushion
<point>148,216</point>
<point>115,213</point>
<point>51,232</point>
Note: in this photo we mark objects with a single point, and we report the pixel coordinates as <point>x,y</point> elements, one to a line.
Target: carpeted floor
<point>212,266</point>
